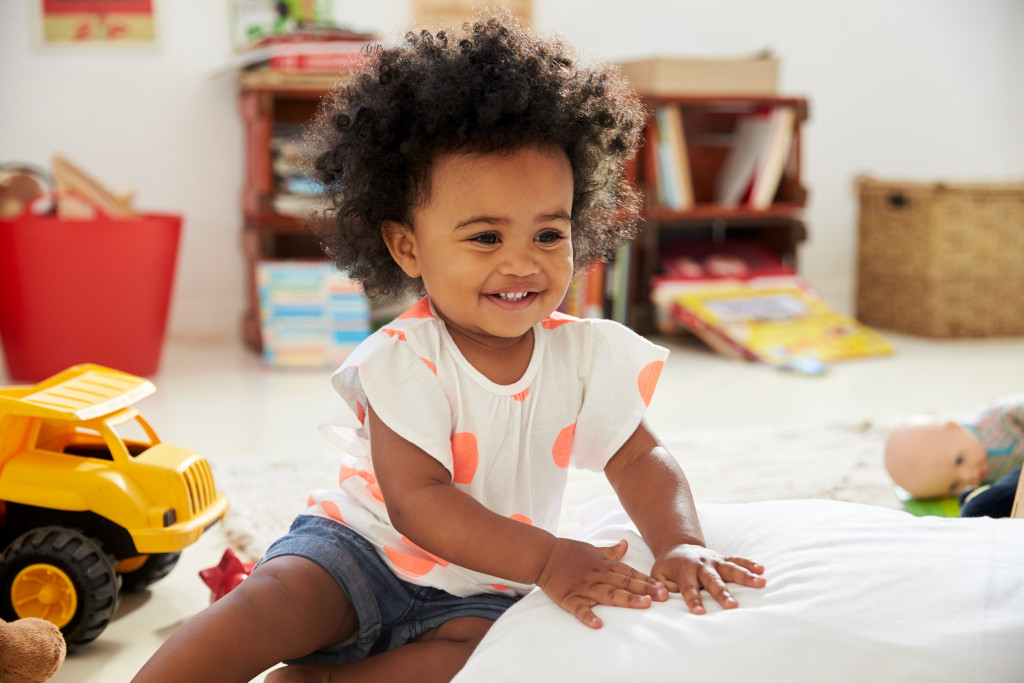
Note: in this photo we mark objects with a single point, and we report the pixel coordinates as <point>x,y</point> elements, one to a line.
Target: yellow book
<point>775,323</point>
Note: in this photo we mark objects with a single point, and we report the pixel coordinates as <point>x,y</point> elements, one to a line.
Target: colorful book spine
<point>310,314</point>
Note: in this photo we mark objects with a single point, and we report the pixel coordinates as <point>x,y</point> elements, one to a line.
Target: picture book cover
<point>775,322</point>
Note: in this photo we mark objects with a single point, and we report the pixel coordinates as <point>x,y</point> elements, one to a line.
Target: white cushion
<point>855,593</point>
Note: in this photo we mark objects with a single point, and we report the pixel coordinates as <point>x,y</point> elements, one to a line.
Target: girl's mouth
<point>513,300</point>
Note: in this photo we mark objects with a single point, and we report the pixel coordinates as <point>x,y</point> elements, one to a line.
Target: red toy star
<point>226,576</point>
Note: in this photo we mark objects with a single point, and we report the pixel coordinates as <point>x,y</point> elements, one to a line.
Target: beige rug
<point>836,461</point>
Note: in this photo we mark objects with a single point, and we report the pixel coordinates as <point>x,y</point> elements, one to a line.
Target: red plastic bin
<point>85,291</point>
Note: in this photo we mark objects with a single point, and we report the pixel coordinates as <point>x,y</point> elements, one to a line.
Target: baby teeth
<point>515,296</point>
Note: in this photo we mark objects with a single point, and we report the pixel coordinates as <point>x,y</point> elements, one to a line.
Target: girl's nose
<point>518,261</point>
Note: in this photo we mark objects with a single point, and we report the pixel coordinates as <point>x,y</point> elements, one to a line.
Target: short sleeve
<point>388,373</point>
<point>621,370</point>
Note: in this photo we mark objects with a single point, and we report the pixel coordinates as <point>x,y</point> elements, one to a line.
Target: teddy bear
<point>31,650</point>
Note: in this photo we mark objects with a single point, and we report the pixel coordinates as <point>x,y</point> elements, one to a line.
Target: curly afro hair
<point>491,87</point>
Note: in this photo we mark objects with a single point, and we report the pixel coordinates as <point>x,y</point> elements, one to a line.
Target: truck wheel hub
<point>45,592</point>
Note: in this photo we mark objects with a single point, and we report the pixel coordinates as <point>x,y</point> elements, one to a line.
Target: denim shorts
<point>391,612</point>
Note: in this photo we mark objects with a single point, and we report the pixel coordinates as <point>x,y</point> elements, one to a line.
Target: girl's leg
<point>287,608</point>
<point>437,655</point>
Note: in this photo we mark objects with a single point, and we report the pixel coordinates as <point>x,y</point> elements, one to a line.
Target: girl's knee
<point>301,597</point>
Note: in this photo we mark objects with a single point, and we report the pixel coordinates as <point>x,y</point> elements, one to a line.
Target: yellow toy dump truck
<point>90,499</point>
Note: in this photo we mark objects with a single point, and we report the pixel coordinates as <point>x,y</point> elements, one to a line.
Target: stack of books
<point>295,192</point>
<point>310,314</point>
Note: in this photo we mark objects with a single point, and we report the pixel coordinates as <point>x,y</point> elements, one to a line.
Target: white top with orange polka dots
<point>583,394</point>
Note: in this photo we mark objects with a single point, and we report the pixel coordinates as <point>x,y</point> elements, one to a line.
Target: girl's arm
<point>425,507</point>
<point>656,496</point>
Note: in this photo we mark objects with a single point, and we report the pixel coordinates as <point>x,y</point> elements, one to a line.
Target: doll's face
<point>492,241</point>
<point>934,458</point>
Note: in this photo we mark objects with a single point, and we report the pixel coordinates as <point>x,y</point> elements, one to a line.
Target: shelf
<point>704,212</point>
<point>710,127</point>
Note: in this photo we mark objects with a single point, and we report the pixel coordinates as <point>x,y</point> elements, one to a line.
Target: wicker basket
<point>941,260</point>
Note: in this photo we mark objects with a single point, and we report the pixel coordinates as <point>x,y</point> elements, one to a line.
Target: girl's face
<point>492,241</point>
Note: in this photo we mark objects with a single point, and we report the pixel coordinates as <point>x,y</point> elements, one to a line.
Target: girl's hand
<point>686,569</point>
<point>578,576</point>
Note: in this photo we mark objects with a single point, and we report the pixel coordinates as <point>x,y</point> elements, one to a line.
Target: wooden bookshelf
<point>710,129</point>
<point>268,99</point>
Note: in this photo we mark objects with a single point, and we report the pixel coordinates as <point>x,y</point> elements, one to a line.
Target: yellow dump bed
<point>82,392</point>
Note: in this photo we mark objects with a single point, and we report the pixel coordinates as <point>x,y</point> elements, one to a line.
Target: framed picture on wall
<point>71,23</point>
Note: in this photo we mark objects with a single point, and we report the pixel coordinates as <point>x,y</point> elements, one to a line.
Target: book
<point>674,164</point>
<point>323,57</point>
<point>673,138</point>
<point>649,162</point>
<point>774,158</point>
<point>777,322</point>
<point>311,50</point>
<point>736,174</point>
<point>619,284</point>
<point>677,137</point>
<point>664,163</point>
<point>310,314</point>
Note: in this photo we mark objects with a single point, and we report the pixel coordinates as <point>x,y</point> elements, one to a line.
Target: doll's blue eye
<point>959,460</point>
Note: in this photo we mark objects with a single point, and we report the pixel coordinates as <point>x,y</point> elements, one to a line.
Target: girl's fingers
<point>691,596</point>
<point>616,597</point>
<point>580,607</point>
<point>714,585</point>
<point>616,552</point>
<point>734,572</point>
<point>749,565</point>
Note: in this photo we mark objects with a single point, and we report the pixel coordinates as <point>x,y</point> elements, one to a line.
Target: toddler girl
<point>484,169</point>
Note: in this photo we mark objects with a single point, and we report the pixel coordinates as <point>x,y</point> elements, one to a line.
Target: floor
<point>218,399</point>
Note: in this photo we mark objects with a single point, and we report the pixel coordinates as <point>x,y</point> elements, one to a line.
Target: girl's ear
<point>402,244</point>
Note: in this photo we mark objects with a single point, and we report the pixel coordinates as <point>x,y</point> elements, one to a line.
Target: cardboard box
<point>757,75</point>
<point>439,13</point>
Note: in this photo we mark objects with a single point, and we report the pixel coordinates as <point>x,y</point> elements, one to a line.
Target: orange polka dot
<point>421,309</point>
<point>648,379</point>
<point>521,396</point>
<point>557,319</point>
<point>440,560</point>
<point>332,510</point>
<point>499,587</point>
<point>374,490</point>
<point>430,365</point>
<point>360,413</point>
<point>465,456</point>
<point>563,446</point>
<point>397,334</point>
<point>522,518</point>
<point>311,501</point>
<point>345,472</point>
<point>410,564</point>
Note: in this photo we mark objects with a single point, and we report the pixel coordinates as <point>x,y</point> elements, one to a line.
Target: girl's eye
<point>550,237</point>
<point>485,238</point>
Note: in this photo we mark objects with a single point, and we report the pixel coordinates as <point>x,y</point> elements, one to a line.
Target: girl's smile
<point>491,241</point>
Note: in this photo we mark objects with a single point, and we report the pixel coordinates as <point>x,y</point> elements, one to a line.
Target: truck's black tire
<point>84,582</point>
<point>157,566</point>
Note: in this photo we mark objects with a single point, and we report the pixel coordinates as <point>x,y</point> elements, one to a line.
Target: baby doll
<point>480,168</point>
<point>31,650</point>
<point>933,458</point>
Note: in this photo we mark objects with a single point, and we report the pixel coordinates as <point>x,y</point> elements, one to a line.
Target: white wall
<point>912,89</point>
